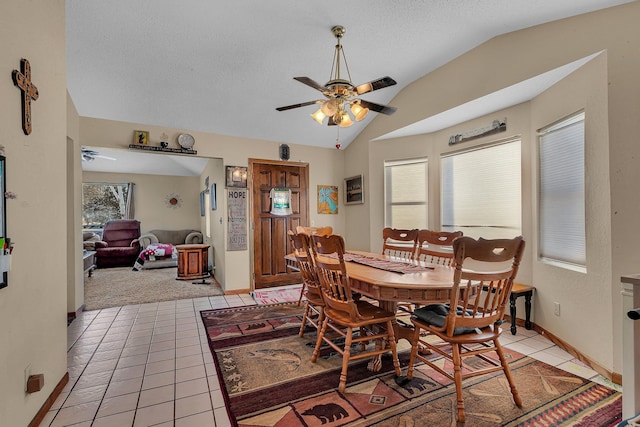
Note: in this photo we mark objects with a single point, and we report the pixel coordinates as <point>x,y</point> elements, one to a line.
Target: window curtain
<point>130,212</point>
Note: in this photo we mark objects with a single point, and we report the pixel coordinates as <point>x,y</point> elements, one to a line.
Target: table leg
<point>399,331</point>
<point>512,312</point>
<point>527,310</point>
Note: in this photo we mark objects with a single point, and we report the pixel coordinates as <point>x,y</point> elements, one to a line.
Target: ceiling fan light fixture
<point>329,108</point>
<point>345,120</point>
<point>318,116</point>
<point>359,112</point>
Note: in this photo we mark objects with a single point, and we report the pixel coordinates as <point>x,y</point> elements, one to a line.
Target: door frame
<point>252,162</point>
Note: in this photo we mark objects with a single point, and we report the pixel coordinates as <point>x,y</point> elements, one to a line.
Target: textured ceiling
<point>223,67</point>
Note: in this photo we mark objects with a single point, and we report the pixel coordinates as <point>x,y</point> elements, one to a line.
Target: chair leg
<point>415,343</point>
<point>321,333</point>
<point>394,349</point>
<point>301,293</point>
<point>304,320</point>
<point>507,373</point>
<point>345,360</point>
<point>457,376</point>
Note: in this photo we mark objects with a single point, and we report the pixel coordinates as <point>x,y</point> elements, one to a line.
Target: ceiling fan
<point>341,96</point>
<point>89,155</point>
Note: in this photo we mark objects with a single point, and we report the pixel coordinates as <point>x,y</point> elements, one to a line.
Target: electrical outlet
<point>556,308</point>
<point>27,373</point>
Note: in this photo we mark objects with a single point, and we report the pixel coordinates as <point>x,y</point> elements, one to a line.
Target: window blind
<point>562,192</point>
<point>406,193</point>
<point>481,191</point>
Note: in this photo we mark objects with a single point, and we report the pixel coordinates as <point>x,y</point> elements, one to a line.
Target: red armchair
<point>119,246</point>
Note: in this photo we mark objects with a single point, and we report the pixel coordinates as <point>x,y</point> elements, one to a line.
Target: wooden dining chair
<point>471,329</point>
<point>323,231</point>
<point>435,247</point>
<point>314,305</point>
<point>342,314</point>
<point>399,243</point>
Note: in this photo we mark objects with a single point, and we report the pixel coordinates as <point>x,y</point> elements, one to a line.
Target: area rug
<point>277,295</point>
<point>268,379</point>
<point>114,287</point>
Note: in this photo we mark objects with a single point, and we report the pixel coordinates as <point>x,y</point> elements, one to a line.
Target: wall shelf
<point>161,149</point>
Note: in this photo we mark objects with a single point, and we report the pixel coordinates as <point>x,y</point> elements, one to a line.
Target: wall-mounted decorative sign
<point>495,127</point>
<point>327,199</point>
<point>354,190</point>
<point>236,176</point>
<point>22,79</point>
<point>280,201</point>
<point>140,137</point>
<point>236,220</point>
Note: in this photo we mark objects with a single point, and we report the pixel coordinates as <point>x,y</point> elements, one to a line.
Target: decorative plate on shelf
<point>186,141</point>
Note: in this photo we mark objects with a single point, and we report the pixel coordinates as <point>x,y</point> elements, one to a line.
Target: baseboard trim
<point>35,422</point>
<point>237,291</point>
<point>610,375</point>
<point>73,314</point>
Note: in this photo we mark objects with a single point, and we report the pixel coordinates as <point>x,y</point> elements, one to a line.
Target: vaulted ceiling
<point>223,67</point>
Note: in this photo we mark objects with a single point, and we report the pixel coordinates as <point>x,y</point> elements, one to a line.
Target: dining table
<point>391,281</point>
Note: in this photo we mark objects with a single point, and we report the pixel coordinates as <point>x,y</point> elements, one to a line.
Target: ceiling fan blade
<point>289,107</point>
<point>375,85</point>
<point>378,108</point>
<point>311,83</point>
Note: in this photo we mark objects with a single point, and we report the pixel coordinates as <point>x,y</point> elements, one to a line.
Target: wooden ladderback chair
<point>323,231</point>
<point>343,314</point>
<point>314,305</point>
<point>472,328</point>
<point>435,247</point>
<point>399,243</point>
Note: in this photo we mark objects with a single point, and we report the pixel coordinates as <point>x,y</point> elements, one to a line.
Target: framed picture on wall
<point>140,137</point>
<point>236,176</point>
<point>354,190</point>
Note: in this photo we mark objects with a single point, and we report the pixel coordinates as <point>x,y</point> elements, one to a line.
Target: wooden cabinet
<point>192,261</point>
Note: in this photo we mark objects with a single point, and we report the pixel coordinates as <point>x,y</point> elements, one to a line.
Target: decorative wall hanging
<point>173,201</point>
<point>327,199</point>
<point>495,127</point>
<point>140,137</point>
<point>280,201</point>
<point>236,220</point>
<point>236,176</point>
<point>22,79</point>
<point>284,152</point>
<point>353,190</point>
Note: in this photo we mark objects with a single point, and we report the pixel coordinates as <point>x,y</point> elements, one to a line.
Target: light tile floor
<point>150,365</point>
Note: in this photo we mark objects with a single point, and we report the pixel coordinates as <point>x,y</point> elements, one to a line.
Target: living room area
<point>141,213</point>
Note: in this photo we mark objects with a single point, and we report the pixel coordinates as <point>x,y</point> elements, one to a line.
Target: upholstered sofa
<point>164,237</point>
<point>119,246</point>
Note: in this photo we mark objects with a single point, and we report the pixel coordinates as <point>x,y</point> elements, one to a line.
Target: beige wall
<point>215,171</point>
<point>150,194</point>
<point>33,307</point>
<point>608,89</point>
<point>326,167</point>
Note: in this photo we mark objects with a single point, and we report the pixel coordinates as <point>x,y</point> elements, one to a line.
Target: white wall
<point>607,87</point>
<point>33,307</point>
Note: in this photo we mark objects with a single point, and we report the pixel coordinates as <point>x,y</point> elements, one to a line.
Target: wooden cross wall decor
<point>22,79</point>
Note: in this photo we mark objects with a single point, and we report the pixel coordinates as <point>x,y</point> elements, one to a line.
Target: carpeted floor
<point>268,380</point>
<point>112,287</point>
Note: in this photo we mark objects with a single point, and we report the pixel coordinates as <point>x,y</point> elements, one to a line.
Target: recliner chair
<point>119,246</point>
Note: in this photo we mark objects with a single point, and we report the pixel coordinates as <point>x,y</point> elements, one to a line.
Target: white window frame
<point>562,219</point>
<point>389,204</point>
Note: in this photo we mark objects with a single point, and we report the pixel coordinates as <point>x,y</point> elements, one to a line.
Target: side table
<point>89,261</point>
<point>192,262</point>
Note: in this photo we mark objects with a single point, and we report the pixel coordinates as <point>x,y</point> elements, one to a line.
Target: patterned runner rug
<point>268,380</point>
<point>277,295</point>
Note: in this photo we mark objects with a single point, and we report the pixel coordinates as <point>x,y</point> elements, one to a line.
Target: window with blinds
<point>481,191</point>
<point>562,192</point>
<point>405,193</point>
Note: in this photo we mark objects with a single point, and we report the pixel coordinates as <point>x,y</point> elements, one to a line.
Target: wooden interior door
<point>270,242</point>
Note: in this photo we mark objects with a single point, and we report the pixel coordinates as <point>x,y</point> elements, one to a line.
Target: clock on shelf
<point>186,141</point>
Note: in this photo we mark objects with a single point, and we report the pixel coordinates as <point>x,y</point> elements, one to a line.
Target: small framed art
<point>354,190</point>
<point>236,176</point>
<point>140,137</point>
